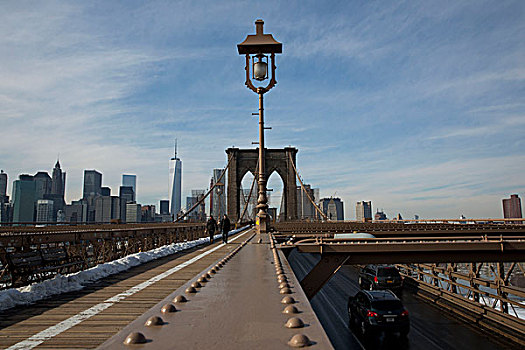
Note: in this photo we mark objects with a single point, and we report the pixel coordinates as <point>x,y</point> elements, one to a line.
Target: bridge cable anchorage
<point>323,215</point>
<point>207,193</point>
<point>246,201</point>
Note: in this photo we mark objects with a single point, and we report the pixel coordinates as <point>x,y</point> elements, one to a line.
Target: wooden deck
<point>21,323</point>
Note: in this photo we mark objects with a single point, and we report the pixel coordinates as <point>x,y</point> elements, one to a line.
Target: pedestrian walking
<point>211,226</point>
<point>225,228</point>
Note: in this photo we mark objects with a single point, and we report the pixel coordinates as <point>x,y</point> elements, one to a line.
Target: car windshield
<point>387,272</point>
<point>387,305</point>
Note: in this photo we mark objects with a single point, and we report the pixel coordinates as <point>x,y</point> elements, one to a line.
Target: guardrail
<point>491,304</point>
<point>31,254</point>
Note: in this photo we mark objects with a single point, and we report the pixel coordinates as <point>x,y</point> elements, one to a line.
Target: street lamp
<point>257,48</point>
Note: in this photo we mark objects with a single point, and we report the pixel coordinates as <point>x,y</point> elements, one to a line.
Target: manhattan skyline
<point>416,107</point>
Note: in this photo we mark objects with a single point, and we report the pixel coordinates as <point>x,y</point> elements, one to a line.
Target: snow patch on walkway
<point>75,281</point>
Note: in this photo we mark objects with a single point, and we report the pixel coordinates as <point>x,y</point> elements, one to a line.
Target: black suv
<point>375,311</point>
<point>380,277</point>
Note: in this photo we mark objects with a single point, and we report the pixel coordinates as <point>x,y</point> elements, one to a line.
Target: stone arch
<point>244,160</point>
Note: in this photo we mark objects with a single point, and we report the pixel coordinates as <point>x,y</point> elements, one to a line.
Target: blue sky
<point>417,106</point>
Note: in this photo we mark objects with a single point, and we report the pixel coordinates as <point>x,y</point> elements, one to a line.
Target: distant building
<point>105,191</point>
<point>148,213</point>
<point>380,215</point>
<point>133,213</point>
<point>44,210</point>
<point>76,212</point>
<point>363,211</point>
<point>175,183</point>
<point>42,185</point>
<point>103,209</point>
<point>305,208</point>
<point>130,181</point>
<point>218,195</point>
<point>512,207</point>
<point>164,207</point>
<point>333,208</point>
<point>4,198</point>
<point>92,183</point>
<point>24,199</point>
<point>58,181</point>
<point>126,193</point>
<point>199,213</point>
<point>3,184</point>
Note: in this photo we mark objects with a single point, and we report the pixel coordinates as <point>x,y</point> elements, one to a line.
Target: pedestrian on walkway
<point>225,228</point>
<point>211,226</point>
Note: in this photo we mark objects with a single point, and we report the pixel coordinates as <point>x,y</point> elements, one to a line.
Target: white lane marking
<point>63,326</point>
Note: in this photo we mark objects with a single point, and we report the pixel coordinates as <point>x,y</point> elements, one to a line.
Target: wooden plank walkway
<point>21,323</point>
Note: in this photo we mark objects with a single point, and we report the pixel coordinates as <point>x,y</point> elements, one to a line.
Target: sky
<point>417,106</point>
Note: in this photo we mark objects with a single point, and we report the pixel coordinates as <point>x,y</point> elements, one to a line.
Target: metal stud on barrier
<point>135,338</point>
<point>288,300</point>
<point>180,299</point>
<point>154,321</point>
<point>299,341</point>
<point>290,309</point>
<point>294,322</point>
<point>168,308</point>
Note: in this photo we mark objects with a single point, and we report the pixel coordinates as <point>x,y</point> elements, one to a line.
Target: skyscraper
<point>44,210</point>
<point>164,207</point>
<point>3,184</point>
<point>512,207</point>
<point>130,181</point>
<point>305,208</point>
<point>218,196</point>
<point>175,184</point>
<point>126,193</point>
<point>332,207</point>
<point>92,183</point>
<point>42,185</point>
<point>58,184</point>
<point>363,211</point>
<point>4,198</point>
<point>24,199</point>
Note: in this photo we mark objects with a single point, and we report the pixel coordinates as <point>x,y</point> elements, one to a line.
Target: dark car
<point>380,277</point>
<point>374,311</point>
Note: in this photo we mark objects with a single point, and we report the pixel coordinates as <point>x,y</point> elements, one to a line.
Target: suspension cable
<point>207,193</point>
<point>304,189</point>
<point>249,195</point>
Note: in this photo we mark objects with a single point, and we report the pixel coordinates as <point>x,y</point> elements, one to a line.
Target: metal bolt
<point>285,290</point>
<point>168,308</point>
<point>290,309</point>
<point>202,279</point>
<point>191,290</point>
<point>284,285</point>
<point>196,285</point>
<point>282,279</point>
<point>212,271</point>
<point>154,321</point>
<point>299,341</point>
<point>288,300</point>
<point>294,322</point>
<point>180,299</point>
<point>206,275</point>
<point>135,338</point>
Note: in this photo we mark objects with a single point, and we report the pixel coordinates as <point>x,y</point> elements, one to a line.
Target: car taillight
<point>375,279</point>
<point>404,313</point>
<point>371,314</point>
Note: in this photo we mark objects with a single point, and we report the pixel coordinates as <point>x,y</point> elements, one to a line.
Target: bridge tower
<point>244,160</point>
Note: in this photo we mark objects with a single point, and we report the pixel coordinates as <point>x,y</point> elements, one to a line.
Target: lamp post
<point>256,48</point>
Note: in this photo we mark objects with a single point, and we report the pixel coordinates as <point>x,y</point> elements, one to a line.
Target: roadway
<point>430,328</point>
